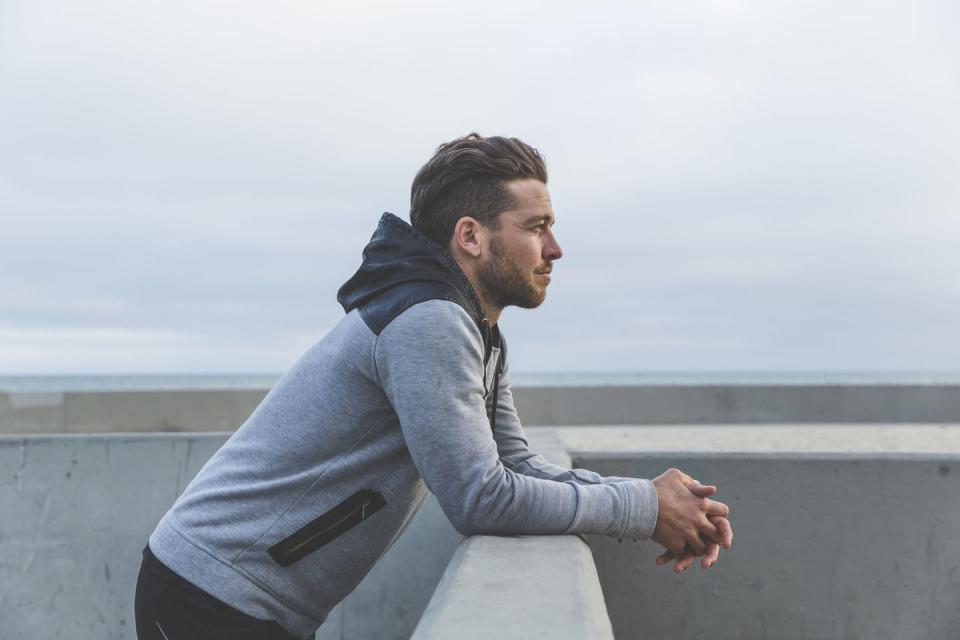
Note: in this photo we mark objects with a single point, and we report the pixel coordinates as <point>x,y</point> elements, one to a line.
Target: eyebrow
<point>539,218</point>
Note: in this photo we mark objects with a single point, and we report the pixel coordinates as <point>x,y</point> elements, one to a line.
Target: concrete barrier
<point>826,546</point>
<point>829,544</point>
<point>732,404</point>
<point>518,587</point>
<point>75,513</point>
<point>127,411</point>
<point>151,411</point>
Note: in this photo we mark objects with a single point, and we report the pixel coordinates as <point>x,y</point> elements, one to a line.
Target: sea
<point>171,382</point>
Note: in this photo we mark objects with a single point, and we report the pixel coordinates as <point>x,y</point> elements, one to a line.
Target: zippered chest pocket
<point>327,527</point>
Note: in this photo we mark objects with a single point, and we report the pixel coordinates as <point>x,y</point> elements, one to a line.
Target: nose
<point>551,249</point>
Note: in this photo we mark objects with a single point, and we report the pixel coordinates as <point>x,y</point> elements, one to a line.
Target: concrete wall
<point>127,411</point>
<point>737,404</point>
<point>518,587</point>
<point>150,411</point>
<point>826,546</point>
<point>75,513</point>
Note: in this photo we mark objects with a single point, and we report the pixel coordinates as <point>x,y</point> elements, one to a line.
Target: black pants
<point>169,607</point>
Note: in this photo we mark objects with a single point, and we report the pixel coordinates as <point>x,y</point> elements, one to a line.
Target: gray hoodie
<point>292,512</point>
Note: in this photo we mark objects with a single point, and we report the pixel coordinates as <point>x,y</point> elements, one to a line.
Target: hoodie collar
<point>398,254</point>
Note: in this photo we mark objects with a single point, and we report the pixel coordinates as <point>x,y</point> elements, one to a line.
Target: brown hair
<point>467,177</point>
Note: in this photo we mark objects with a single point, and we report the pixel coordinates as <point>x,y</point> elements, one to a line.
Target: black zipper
<point>492,413</point>
<point>327,527</point>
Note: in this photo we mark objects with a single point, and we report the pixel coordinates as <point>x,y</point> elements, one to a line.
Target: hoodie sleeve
<point>430,363</point>
<point>515,453</point>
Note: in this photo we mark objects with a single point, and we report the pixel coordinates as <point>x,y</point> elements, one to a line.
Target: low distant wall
<point>150,411</point>
<point>710,404</point>
<point>127,411</point>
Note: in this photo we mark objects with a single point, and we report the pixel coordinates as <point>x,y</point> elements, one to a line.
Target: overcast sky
<point>738,185</point>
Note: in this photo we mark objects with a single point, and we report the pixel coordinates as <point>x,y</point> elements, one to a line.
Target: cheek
<point>533,250</point>
<point>526,253</point>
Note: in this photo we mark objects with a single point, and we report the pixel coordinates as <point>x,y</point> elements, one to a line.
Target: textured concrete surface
<point>149,411</point>
<point>76,513</point>
<point>126,411</point>
<point>518,587</point>
<point>738,404</point>
<point>826,546</point>
<point>842,531</point>
<point>826,438</point>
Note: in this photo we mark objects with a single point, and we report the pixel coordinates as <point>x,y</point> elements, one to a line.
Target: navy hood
<point>402,267</point>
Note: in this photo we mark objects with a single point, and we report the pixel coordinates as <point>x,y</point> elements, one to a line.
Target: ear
<point>466,237</point>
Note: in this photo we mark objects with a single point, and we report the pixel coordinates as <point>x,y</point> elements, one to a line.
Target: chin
<point>534,301</point>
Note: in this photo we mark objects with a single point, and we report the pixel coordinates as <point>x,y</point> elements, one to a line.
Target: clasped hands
<point>689,524</point>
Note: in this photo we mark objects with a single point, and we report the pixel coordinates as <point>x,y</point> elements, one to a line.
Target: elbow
<point>465,522</point>
<point>486,508</point>
<point>483,517</point>
<point>463,528</point>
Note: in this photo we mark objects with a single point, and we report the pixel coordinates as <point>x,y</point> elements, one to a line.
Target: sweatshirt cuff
<point>644,509</point>
<point>621,509</point>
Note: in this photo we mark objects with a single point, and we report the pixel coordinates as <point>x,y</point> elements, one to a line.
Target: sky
<point>738,186</point>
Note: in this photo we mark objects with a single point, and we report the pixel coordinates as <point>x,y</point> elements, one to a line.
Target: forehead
<point>531,201</point>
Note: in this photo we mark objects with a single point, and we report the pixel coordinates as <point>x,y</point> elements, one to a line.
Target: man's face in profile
<point>521,251</point>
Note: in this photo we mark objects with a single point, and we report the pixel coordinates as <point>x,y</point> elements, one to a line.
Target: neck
<point>490,311</point>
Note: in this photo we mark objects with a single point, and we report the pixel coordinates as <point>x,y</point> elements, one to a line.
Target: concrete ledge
<point>520,586</point>
<point>526,586</point>
<point>817,438</point>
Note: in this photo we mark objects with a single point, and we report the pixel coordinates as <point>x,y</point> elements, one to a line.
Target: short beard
<point>505,284</point>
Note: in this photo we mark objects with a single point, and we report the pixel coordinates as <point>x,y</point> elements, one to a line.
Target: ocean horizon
<point>211,381</point>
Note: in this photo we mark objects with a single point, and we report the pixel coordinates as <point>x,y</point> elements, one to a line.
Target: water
<point>53,383</point>
<point>13,384</point>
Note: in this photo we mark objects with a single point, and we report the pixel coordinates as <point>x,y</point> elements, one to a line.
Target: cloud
<point>737,185</point>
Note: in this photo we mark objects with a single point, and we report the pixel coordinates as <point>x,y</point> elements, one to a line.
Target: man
<point>409,392</point>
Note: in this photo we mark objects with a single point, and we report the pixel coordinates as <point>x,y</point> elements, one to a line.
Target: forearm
<point>512,503</point>
<point>529,463</point>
